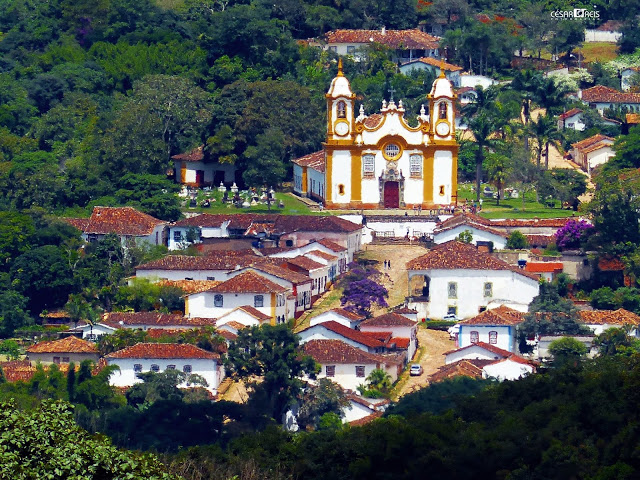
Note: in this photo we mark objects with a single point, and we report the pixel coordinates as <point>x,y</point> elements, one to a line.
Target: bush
<point>517,241</point>
<point>439,324</point>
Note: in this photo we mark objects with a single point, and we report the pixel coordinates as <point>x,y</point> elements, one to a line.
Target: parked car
<point>415,370</point>
<point>454,331</point>
<point>451,317</point>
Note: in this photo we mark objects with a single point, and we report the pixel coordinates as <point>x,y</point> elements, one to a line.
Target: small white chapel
<point>380,161</point>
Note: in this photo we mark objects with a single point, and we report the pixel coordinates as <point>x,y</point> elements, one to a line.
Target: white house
<point>469,80</point>
<point>248,288</point>
<point>349,366</point>
<point>339,315</point>
<point>360,408</point>
<point>194,169</point>
<point>331,330</point>
<point>316,271</point>
<point>476,351</point>
<point>593,151</point>
<point>600,320</point>
<point>323,251</point>
<point>481,234</point>
<point>403,330</point>
<point>451,72</point>
<point>494,327</point>
<point>159,357</point>
<point>511,368</point>
<point>571,119</point>
<point>246,315</point>
<point>132,226</point>
<point>458,278</point>
<point>602,98</point>
<point>65,350</point>
<point>185,267</point>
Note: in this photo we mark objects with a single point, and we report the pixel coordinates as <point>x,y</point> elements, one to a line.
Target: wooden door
<point>200,177</point>
<point>391,195</point>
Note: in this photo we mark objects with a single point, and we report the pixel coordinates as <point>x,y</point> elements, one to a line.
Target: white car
<point>450,317</point>
<point>415,370</point>
<point>454,331</point>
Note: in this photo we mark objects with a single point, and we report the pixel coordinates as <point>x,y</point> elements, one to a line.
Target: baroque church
<point>379,161</point>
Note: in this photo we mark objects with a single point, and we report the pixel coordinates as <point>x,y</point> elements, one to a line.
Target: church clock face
<point>341,128</point>
<point>442,129</point>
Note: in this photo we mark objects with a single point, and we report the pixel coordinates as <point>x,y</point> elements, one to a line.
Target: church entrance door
<point>391,195</point>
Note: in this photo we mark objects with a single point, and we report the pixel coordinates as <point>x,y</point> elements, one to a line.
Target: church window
<point>415,166</point>
<point>342,109</point>
<point>341,189</point>
<point>368,165</point>
<point>443,111</point>
<point>442,190</point>
<point>392,151</point>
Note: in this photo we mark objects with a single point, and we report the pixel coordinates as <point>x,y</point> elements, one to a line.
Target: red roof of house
<point>454,255</point>
<point>347,314</point>
<point>436,63</point>
<point>189,286</point>
<point>121,221</point>
<point>405,39</point>
<point>248,282</point>
<point>350,333</point>
<point>64,345</point>
<point>485,346</point>
<point>544,267</point>
<point>610,264</point>
<point>540,240</point>
<point>313,160</point>
<point>195,155</point>
<point>304,263</point>
<point>295,278</point>
<point>254,312</point>
<point>336,351</point>
<point>391,319</point>
<point>79,223</point>
<point>465,367</point>
<point>596,140</point>
<point>163,350</point>
<point>331,245</point>
<point>501,315</point>
<point>405,311</point>
<point>153,319</point>
<point>208,262</point>
<point>18,370</point>
<point>602,94</point>
<point>609,317</point>
<point>569,113</point>
<point>323,255</point>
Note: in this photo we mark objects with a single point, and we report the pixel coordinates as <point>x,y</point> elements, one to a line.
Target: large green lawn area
<point>512,207</point>
<point>292,205</point>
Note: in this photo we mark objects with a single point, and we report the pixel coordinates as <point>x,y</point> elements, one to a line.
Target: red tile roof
<point>602,94</point>
<point>535,222</point>
<point>391,319</point>
<point>540,240</point>
<point>336,351</point>
<point>596,139</point>
<point>163,350</point>
<point>304,263</point>
<point>491,348</point>
<point>569,113</point>
<point>400,342</point>
<point>609,317</point>
<point>467,368</point>
<point>402,39</point>
<point>208,262</point>
<point>64,345</point>
<point>79,223</point>
<point>331,245</point>
<point>544,267</point>
<point>295,278</point>
<point>350,333</point>
<point>472,224</point>
<point>153,319</point>
<point>195,155</point>
<point>455,255</point>
<point>248,282</point>
<point>347,314</point>
<point>436,63</point>
<point>365,420</point>
<point>405,310</point>
<point>610,264</point>
<point>315,223</point>
<point>313,160</point>
<point>497,316</point>
<point>254,312</point>
<point>189,286</point>
<point>18,370</point>
<point>323,255</point>
<point>373,120</point>
<point>118,220</point>
<point>227,335</point>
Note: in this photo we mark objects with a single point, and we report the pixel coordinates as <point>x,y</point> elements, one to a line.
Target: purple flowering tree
<point>573,234</point>
<point>361,289</point>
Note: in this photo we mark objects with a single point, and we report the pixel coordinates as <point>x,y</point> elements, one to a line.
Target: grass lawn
<point>512,207</point>
<point>598,52</point>
<point>292,205</point>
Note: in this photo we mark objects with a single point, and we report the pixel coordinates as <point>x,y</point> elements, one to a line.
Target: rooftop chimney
<point>384,30</point>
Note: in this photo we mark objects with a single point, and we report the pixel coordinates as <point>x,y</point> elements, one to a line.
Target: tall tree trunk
<point>546,158</point>
<point>479,159</point>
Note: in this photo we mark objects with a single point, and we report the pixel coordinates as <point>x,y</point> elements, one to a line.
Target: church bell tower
<point>340,109</point>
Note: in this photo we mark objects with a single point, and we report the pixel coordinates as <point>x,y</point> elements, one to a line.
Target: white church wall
<point>341,175</point>
<point>442,165</point>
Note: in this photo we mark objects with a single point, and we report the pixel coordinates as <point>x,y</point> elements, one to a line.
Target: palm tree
<point>546,132</point>
<point>482,126</point>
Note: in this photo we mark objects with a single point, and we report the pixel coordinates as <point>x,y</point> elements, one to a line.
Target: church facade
<point>380,161</point>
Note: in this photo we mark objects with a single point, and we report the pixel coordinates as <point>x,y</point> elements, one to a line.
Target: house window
<point>330,370</point>
<point>443,111</point>
<point>258,301</point>
<point>368,165</point>
<point>415,166</point>
<point>288,243</point>
<point>137,367</point>
<point>493,337</point>
<point>65,359</point>
<point>488,289</point>
<point>333,49</point>
<point>211,278</point>
<point>342,109</point>
<point>452,289</point>
<point>452,310</point>
<point>177,236</point>
<point>56,360</point>
<point>171,367</point>
<point>155,368</point>
<point>217,300</point>
<point>351,50</point>
<point>360,371</point>
<point>186,369</point>
<point>474,337</point>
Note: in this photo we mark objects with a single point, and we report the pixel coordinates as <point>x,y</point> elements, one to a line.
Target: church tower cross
<point>391,91</point>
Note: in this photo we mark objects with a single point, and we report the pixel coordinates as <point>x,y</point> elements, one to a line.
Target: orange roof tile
<point>347,314</point>
<point>190,286</point>
<point>336,351</point>
<point>569,113</point>
<point>119,220</point>
<point>79,223</point>
<point>208,262</point>
<point>457,255</point>
<point>331,245</point>
<point>313,160</point>
<point>248,282</point>
<point>195,155</point>
<point>406,39</point>
<point>163,350</point>
<point>64,345</point>
<point>254,312</point>
<point>544,267</point>
<point>609,317</point>
<point>391,319</point>
<point>323,255</point>
<point>501,315</point>
<point>467,368</point>
<point>602,94</point>
<point>436,63</point>
<point>304,263</point>
<point>153,319</point>
<point>491,348</point>
<point>350,333</point>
